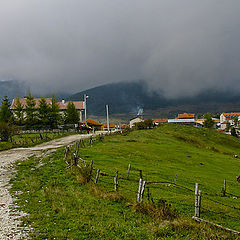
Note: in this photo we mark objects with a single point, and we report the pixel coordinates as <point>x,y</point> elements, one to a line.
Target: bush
<point>146,124</point>
<point>6,131</point>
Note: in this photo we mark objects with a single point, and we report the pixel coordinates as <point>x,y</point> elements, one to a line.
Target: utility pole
<point>85,107</point>
<point>107,118</point>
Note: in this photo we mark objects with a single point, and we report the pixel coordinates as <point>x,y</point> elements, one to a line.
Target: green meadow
<point>61,206</point>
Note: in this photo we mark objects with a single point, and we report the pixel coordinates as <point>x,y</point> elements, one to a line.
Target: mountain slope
<point>128,97</point>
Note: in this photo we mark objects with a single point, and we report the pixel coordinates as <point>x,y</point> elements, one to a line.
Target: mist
<point>180,48</point>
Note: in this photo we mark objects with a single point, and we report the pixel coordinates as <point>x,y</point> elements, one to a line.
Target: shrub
<point>6,131</point>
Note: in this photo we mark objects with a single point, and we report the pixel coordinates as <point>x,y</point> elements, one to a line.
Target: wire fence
<point>136,186</point>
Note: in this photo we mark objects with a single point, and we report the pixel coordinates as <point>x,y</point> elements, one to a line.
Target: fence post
<point>75,159</point>
<point>139,190</point>
<point>142,191</point>
<point>224,187</point>
<point>196,200</point>
<point>175,180</point>
<point>199,202</point>
<point>129,168</point>
<point>97,176</point>
<point>116,181</point>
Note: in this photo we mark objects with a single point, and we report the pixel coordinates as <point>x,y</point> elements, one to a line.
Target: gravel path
<point>9,213</point>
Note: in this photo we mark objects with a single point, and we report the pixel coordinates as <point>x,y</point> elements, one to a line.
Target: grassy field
<point>31,139</point>
<point>61,207</point>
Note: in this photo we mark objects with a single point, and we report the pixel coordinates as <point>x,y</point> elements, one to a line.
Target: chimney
<point>63,101</point>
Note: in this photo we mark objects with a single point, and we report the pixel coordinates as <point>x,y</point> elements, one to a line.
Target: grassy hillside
<point>61,207</point>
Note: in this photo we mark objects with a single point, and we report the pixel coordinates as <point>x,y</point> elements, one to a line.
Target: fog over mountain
<point>181,48</point>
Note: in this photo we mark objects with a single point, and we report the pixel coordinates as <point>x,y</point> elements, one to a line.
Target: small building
<point>186,116</point>
<point>228,118</point>
<point>158,121</point>
<point>112,127</point>
<point>135,120</point>
<point>190,122</point>
<point>93,124</point>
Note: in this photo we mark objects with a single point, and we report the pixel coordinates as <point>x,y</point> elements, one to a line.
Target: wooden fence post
<point>75,159</point>
<point>224,187</point>
<point>129,168</point>
<point>196,200</point>
<point>199,202</point>
<point>175,179</point>
<point>142,191</point>
<point>139,190</point>
<point>97,176</point>
<point>116,181</point>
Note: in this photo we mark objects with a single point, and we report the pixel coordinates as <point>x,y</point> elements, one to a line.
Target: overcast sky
<point>179,46</point>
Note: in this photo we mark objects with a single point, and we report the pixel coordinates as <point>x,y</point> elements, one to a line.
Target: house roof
<point>111,125</point>
<point>93,122</point>
<point>141,117</point>
<point>62,106</point>
<point>185,116</point>
<point>78,105</point>
<point>160,120</point>
<point>23,101</point>
<point>232,114</point>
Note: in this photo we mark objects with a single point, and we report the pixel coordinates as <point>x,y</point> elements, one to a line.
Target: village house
<point>112,127</point>
<point>79,105</point>
<point>135,120</point>
<point>158,121</point>
<point>93,124</point>
<point>228,118</point>
<point>186,116</point>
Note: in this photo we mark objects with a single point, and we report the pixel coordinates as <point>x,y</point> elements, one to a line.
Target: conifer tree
<point>18,110</point>
<point>54,115</point>
<point>30,110</point>
<point>5,112</point>
<point>71,115</point>
<point>43,112</point>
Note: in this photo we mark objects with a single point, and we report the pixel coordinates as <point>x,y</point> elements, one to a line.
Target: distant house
<point>186,116</point>
<point>228,118</point>
<point>79,105</point>
<point>135,120</point>
<point>158,121</point>
<point>93,124</point>
<point>112,126</point>
<point>190,121</point>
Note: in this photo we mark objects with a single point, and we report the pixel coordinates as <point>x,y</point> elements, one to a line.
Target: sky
<point>179,47</point>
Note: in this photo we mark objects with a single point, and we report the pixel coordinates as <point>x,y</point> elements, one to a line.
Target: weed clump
<point>159,211</point>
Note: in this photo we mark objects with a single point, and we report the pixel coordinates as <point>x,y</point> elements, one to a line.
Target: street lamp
<point>85,106</point>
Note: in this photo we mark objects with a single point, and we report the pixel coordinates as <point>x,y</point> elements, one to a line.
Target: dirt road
<point>9,213</point>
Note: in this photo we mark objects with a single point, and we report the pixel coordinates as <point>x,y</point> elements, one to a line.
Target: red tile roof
<point>62,106</point>
<point>232,114</point>
<point>160,120</point>
<point>185,115</point>
<point>23,101</point>
<point>93,122</point>
<point>78,105</point>
<point>111,125</point>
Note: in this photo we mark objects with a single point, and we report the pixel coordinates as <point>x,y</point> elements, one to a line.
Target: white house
<point>135,120</point>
